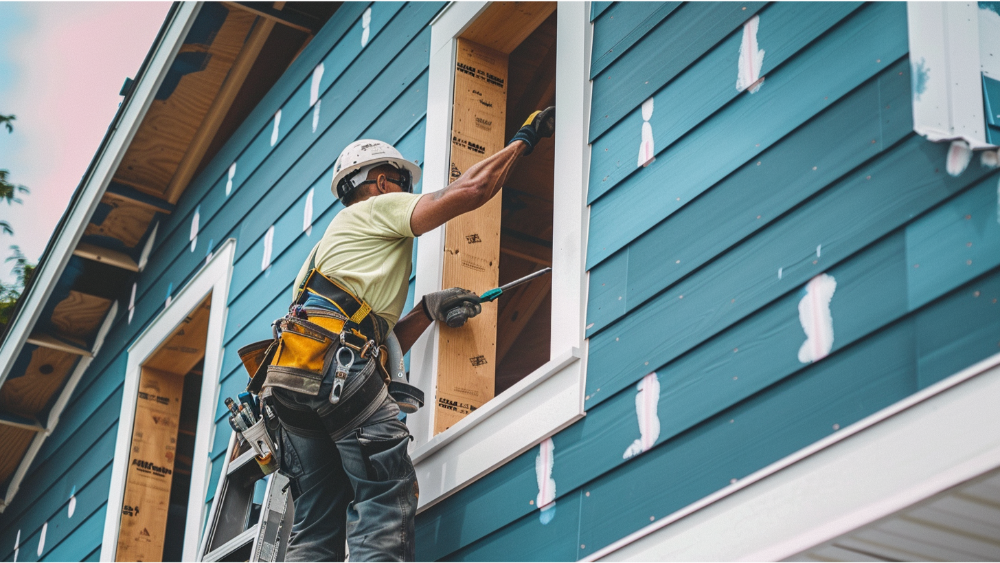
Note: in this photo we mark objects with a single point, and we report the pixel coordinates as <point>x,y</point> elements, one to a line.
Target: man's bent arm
<point>470,191</point>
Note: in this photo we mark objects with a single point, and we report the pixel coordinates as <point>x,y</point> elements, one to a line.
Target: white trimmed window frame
<point>212,279</point>
<point>552,397</point>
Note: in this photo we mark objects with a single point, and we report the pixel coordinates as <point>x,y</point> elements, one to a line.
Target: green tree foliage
<point>23,269</point>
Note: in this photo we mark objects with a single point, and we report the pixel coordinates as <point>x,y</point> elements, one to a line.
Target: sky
<point>62,65</point>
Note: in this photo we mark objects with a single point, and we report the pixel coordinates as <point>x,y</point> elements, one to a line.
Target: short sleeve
<point>390,214</point>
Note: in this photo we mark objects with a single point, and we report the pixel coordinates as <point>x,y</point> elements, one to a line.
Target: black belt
<point>362,396</point>
<point>358,312</point>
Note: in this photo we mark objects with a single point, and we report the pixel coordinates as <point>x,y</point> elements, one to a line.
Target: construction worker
<point>340,438</point>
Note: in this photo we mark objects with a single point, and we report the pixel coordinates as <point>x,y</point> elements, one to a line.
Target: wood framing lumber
<point>294,21</point>
<point>49,341</point>
<point>24,423</point>
<point>105,255</point>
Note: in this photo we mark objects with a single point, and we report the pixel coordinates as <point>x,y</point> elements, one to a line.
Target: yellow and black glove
<point>541,123</point>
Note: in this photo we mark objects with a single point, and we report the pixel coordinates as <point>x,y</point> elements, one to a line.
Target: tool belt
<point>307,343</point>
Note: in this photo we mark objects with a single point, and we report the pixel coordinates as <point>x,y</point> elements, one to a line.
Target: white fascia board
<point>929,442</point>
<point>945,72</point>
<point>107,161</point>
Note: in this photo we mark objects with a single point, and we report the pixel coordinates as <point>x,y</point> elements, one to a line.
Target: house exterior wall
<point>373,84</point>
<point>794,259</point>
<point>782,224</point>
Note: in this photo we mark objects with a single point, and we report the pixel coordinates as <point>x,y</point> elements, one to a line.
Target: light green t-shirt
<point>368,248</point>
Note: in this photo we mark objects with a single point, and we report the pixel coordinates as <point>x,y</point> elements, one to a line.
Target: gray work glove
<point>452,306</point>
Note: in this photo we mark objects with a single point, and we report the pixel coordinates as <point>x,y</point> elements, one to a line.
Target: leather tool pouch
<point>256,357</point>
<point>304,353</point>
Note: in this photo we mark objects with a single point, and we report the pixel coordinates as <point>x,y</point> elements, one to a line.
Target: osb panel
<point>146,501</point>
<point>171,124</point>
<point>13,443</point>
<point>127,221</point>
<point>79,315</point>
<point>467,355</point>
<point>186,346</point>
<point>504,25</point>
<point>28,394</point>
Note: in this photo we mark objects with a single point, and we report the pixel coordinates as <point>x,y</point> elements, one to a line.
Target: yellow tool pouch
<point>256,357</point>
<point>304,352</point>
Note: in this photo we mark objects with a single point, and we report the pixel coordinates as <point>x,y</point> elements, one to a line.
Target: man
<point>341,442</point>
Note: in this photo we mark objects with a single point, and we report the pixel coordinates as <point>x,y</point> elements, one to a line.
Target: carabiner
<point>340,376</point>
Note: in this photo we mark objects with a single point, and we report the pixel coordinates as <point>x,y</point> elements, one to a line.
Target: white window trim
<point>944,38</point>
<point>213,278</point>
<point>920,446</point>
<point>551,398</point>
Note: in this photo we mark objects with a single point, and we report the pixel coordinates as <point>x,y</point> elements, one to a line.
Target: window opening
<point>157,484</point>
<point>502,74</point>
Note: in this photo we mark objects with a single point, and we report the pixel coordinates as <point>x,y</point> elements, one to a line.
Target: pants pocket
<point>383,447</point>
<point>291,465</point>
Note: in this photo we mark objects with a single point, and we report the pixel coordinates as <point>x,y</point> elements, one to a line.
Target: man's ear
<point>382,184</point>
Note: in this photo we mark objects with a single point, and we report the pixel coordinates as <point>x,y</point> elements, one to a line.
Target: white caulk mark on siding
<point>41,539</point>
<point>959,155</point>
<point>998,202</point>
<point>268,242</point>
<point>229,182</point>
<point>646,401</point>
<point>194,227</point>
<point>72,503</point>
<point>131,303</point>
<point>751,59</point>
<point>208,251</point>
<point>816,320</point>
<point>307,214</point>
<point>779,272</point>
<point>148,247</point>
<point>989,159</point>
<point>646,148</point>
<point>314,100</point>
<point>366,22</point>
<point>546,485</point>
<point>277,128</point>
<point>17,545</point>
<point>819,249</point>
<point>170,289</point>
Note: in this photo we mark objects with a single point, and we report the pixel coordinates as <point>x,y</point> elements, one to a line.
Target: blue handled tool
<point>498,291</point>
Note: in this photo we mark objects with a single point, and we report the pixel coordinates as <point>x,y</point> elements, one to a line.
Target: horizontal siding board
<point>84,539</point>
<point>877,198</point>
<point>609,290</point>
<point>598,8</point>
<point>972,318</point>
<point>962,235</point>
<point>707,85</point>
<point>758,193</point>
<point>666,51</point>
<point>838,62</point>
<point>621,26</point>
<point>530,540</point>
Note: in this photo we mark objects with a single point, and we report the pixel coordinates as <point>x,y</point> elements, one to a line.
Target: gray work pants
<point>362,487</point>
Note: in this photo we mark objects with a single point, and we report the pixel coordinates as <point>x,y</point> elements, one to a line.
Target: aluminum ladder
<point>245,525</point>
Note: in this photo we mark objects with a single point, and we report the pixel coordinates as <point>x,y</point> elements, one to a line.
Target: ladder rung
<point>247,537</point>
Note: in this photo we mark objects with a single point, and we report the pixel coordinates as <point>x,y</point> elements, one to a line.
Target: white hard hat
<point>359,157</point>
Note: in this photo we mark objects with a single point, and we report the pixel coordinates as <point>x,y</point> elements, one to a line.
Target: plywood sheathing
<point>171,124</point>
<point>467,359</point>
<point>13,442</point>
<point>146,501</point>
<point>79,315</point>
<point>28,394</point>
<point>125,220</point>
<point>505,25</point>
<point>186,346</point>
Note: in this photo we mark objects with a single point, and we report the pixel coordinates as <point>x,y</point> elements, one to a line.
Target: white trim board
<point>551,398</point>
<point>107,162</point>
<point>929,442</point>
<point>212,279</point>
